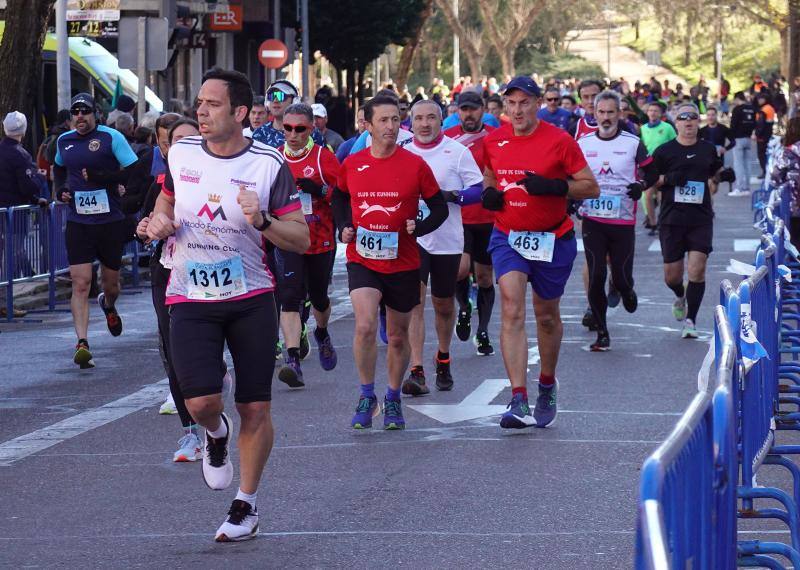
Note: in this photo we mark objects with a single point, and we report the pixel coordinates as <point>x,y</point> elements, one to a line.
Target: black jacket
<point>20,181</point>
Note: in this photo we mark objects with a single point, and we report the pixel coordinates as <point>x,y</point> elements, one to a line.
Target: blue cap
<point>524,84</point>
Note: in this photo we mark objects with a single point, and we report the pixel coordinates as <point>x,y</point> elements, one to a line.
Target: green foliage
<point>561,66</point>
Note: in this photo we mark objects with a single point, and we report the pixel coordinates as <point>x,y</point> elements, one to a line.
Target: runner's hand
<point>347,234</point>
<point>537,185</point>
<point>251,207</point>
<point>141,228</point>
<point>64,196</point>
<point>492,199</point>
<point>635,190</point>
<point>411,225</point>
<point>161,226</point>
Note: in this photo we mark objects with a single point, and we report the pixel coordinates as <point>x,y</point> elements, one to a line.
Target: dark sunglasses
<point>278,96</point>
<point>552,98</point>
<point>687,117</point>
<point>299,129</point>
<point>80,111</point>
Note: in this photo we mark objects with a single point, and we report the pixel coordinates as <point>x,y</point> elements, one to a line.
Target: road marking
<point>533,355</point>
<point>580,244</point>
<point>655,246</point>
<point>749,245</point>
<point>28,444</point>
<point>476,405</point>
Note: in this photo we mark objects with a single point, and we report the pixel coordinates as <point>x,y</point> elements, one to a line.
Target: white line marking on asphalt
<point>533,355</point>
<point>655,246</point>
<point>580,244</point>
<point>749,245</point>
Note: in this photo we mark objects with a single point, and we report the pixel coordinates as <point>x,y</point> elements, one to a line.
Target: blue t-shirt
<point>454,119</point>
<point>344,149</point>
<point>559,119</point>
<point>101,149</point>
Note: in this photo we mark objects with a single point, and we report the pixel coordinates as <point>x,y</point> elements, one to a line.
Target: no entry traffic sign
<point>273,54</point>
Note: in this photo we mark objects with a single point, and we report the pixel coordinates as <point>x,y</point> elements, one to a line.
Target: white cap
<point>15,124</point>
<point>319,110</point>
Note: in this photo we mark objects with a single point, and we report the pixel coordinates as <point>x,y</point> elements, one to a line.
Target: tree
<point>21,57</point>
<point>783,16</point>
<point>409,49</point>
<point>508,22</point>
<point>470,37</point>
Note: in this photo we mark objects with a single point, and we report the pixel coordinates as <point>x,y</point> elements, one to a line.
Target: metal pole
<point>306,48</point>
<point>141,70</point>
<point>62,56</point>
<point>276,32</point>
<point>608,48</point>
<point>456,51</point>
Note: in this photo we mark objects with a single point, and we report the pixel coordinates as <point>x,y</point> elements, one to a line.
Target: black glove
<point>635,190</point>
<point>492,199</point>
<point>675,178</point>
<point>727,175</point>
<point>537,185</point>
<point>451,197</point>
<point>310,187</point>
<point>573,206</point>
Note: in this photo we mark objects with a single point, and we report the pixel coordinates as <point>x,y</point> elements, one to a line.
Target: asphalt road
<point>87,476</point>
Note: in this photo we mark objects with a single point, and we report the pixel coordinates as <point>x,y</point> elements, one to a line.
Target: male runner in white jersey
<point>224,195</point>
<point>440,251</point>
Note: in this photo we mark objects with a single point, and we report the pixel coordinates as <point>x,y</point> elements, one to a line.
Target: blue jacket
<point>20,181</point>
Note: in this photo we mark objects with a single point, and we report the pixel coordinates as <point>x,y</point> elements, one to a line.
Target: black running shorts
<point>678,240</point>
<point>476,242</point>
<point>442,270</point>
<point>103,242</point>
<point>400,291</point>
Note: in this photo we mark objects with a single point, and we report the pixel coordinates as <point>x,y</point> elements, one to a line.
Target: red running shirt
<point>474,213</point>
<point>384,193</point>
<point>320,166</point>
<point>547,151</point>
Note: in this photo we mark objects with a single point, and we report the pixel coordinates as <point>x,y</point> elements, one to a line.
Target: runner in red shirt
<point>478,223</point>
<point>376,203</point>
<point>315,170</point>
<point>536,166</point>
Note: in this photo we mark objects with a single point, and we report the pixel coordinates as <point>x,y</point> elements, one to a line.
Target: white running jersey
<point>614,163</point>
<point>455,168</point>
<point>218,255</point>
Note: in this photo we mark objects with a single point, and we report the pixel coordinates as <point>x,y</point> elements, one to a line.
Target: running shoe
<point>304,346</point>
<point>327,354</point>
<point>291,374</point>
<point>679,309</point>
<point>415,385</point>
<point>613,296</point>
<point>689,330</point>
<point>83,357</point>
<point>393,415</point>
<point>517,414</point>
<point>189,449</point>
<point>545,410</point>
<point>365,410</point>
<point>482,344</point>
<point>464,323</point>
<point>168,407</point>
<point>241,524</point>
<point>630,301</point>
<point>113,320</point>
<point>602,344</point>
<point>278,350</point>
<point>444,379</point>
<point>217,466</point>
<point>738,193</point>
<point>384,335</point>
<point>588,320</point>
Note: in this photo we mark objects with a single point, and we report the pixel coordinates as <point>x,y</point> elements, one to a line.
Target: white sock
<point>220,432</point>
<point>242,496</point>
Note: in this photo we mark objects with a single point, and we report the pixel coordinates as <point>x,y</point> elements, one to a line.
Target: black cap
<point>83,99</point>
<point>524,84</point>
<point>125,103</point>
<point>470,99</point>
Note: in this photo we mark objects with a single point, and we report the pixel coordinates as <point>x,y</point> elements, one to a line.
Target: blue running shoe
<point>545,410</point>
<point>364,412</point>
<point>384,335</point>
<point>518,414</point>
<point>327,354</point>
<point>393,415</point>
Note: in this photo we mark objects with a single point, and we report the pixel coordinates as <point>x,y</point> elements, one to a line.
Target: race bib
<point>167,251</point>
<point>92,202</point>
<point>215,281</point>
<point>533,246</point>
<point>376,245</point>
<point>423,211</point>
<point>305,202</point>
<point>692,193</point>
<point>603,207</point>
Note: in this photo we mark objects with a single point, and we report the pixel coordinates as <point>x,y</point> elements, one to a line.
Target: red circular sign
<point>273,54</point>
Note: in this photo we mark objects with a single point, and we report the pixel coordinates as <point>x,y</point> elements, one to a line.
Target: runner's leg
<point>81,276</point>
<point>513,337</point>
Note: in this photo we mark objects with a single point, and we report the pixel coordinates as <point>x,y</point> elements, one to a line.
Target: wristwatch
<point>266,223</point>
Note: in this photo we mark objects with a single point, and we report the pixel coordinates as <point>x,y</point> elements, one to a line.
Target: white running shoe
<point>189,449</point>
<point>168,407</point>
<point>737,193</point>
<point>241,524</point>
<point>689,330</point>
<point>217,466</point>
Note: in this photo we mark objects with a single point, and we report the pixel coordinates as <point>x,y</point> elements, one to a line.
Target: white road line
<point>749,245</point>
<point>655,246</point>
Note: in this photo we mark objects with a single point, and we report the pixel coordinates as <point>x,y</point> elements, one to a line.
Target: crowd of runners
<point>246,202</point>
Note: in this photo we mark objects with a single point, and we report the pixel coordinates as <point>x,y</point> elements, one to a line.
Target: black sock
<point>694,296</point>
<point>442,356</point>
<point>293,352</point>
<point>84,341</point>
<point>321,333</point>
<point>462,294</point>
<point>677,289</point>
<point>485,306</point>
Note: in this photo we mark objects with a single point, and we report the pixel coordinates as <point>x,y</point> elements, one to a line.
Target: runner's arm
<point>289,232</point>
<point>342,213</point>
<point>439,212</point>
<point>59,181</point>
<point>583,185</point>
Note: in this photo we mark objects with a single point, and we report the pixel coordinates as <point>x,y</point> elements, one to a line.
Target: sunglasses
<point>687,117</point>
<point>552,99</point>
<point>278,96</point>
<point>80,111</point>
<point>299,129</point>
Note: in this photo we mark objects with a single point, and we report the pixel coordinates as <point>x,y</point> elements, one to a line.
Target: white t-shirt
<point>455,169</point>
<point>218,256</point>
